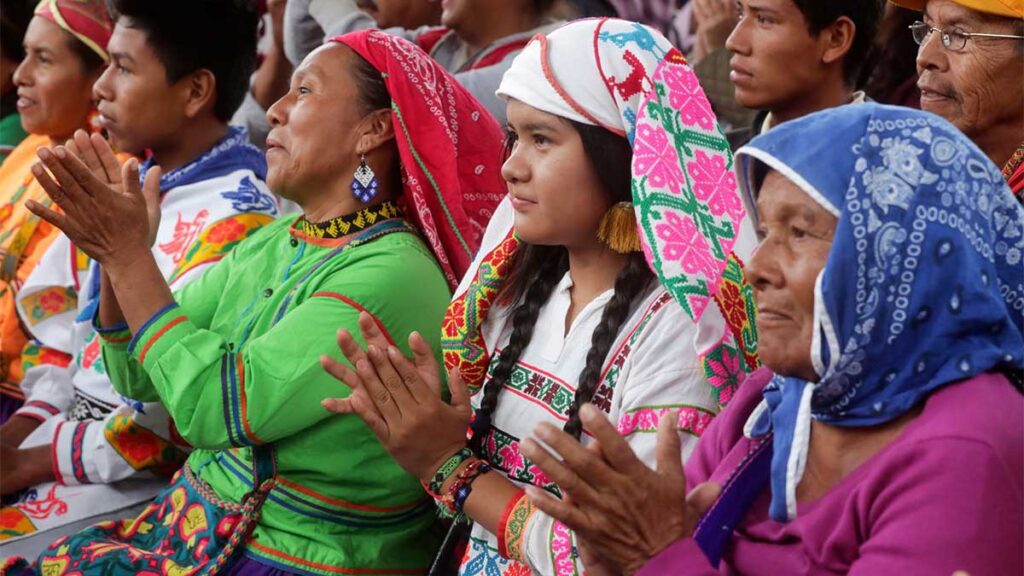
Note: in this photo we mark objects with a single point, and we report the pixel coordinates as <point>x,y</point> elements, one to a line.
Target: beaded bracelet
<point>464,485</point>
<point>452,502</point>
<point>447,469</point>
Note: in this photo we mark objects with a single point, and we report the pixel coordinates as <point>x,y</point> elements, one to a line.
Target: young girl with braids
<point>608,276</point>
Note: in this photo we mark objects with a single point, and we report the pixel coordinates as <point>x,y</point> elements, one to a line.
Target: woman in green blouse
<point>396,183</point>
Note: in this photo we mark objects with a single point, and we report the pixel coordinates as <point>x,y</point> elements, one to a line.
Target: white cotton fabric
<point>569,54</point>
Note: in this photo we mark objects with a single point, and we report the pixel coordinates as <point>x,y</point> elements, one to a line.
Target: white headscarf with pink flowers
<point>628,79</point>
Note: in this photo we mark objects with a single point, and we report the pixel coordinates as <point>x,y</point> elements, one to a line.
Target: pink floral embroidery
<point>724,374</point>
<point>698,303</point>
<point>692,420</point>
<point>684,243</point>
<point>686,96</point>
<point>715,185</point>
<point>512,459</point>
<point>561,550</point>
<point>655,156</point>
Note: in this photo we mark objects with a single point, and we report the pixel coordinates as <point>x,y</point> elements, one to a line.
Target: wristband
<point>447,469</point>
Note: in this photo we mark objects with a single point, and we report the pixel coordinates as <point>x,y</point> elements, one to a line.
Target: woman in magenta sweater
<point>884,434</point>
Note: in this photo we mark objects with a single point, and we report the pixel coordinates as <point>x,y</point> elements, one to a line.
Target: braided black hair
<point>538,269</point>
<point>549,264</point>
<point>634,277</point>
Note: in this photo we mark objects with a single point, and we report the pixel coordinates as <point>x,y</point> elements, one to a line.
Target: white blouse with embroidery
<point>652,368</point>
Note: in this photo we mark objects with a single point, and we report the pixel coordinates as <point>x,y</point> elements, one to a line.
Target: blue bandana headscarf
<point>924,283</point>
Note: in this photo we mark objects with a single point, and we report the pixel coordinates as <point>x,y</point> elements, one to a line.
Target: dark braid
<point>548,265</point>
<point>634,277</point>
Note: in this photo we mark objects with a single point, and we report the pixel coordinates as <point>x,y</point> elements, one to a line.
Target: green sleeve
<point>272,387</point>
<point>128,376</point>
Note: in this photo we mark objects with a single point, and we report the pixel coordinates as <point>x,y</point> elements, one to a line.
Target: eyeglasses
<point>954,40</point>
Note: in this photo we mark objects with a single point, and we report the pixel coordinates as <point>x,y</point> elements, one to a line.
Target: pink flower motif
<point>656,157</point>
<point>683,243</point>
<point>724,377</point>
<point>715,185</point>
<point>512,460</point>
<point>685,95</point>
<point>562,550</point>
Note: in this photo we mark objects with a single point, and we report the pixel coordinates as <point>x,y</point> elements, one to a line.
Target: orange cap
<point>1011,8</point>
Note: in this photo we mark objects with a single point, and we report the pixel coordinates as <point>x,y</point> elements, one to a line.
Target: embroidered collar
<point>349,223</point>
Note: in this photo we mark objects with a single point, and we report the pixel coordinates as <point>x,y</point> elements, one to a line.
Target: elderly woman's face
<point>314,135</point>
<point>796,235</point>
<point>980,86</point>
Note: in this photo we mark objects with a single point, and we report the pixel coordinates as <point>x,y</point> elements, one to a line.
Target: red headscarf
<point>450,146</point>
<point>87,20</point>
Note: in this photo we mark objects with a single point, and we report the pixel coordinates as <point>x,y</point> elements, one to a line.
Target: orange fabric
<point>1011,8</point>
<point>16,186</point>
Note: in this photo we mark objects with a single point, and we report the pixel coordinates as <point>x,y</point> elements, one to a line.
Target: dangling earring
<point>618,229</point>
<point>364,182</point>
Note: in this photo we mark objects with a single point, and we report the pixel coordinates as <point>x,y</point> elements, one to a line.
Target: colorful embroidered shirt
<point>236,363</point>
<point>208,206</point>
<point>23,240</point>
<point>649,371</point>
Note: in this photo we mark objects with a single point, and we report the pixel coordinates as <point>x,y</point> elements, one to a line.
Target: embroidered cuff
<point>38,410</point>
<point>117,334</point>
<point>159,333</point>
<point>644,419</point>
<point>512,528</point>
<point>68,451</point>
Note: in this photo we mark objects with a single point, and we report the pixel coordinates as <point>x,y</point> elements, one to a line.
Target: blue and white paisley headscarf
<point>924,284</point>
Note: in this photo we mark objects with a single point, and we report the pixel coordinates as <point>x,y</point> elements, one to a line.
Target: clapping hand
<point>616,505</point>
<point>400,399</point>
<point>104,210</point>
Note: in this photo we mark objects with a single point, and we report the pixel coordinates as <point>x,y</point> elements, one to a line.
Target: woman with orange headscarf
<point>65,52</point>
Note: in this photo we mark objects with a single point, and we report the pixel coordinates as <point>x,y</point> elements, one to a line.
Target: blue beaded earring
<point>364,182</point>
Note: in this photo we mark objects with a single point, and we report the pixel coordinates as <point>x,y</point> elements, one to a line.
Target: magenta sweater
<point>946,495</point>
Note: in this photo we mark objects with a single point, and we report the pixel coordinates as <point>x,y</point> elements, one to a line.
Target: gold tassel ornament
<point>618,229</point>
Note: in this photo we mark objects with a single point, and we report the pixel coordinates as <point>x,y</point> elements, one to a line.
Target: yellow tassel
<point>618,229</point>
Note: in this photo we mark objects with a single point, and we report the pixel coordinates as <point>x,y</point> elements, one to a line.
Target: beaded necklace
<point>349,223</point>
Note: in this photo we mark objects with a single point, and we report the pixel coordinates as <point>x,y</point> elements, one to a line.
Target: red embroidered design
<point>185,233</point>
<point>42,509</point>
<point>634,83</point>
<point>91,353</point>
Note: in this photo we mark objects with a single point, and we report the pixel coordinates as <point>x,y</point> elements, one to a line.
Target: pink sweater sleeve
<point>683,557</point>
<point>946,504</point>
